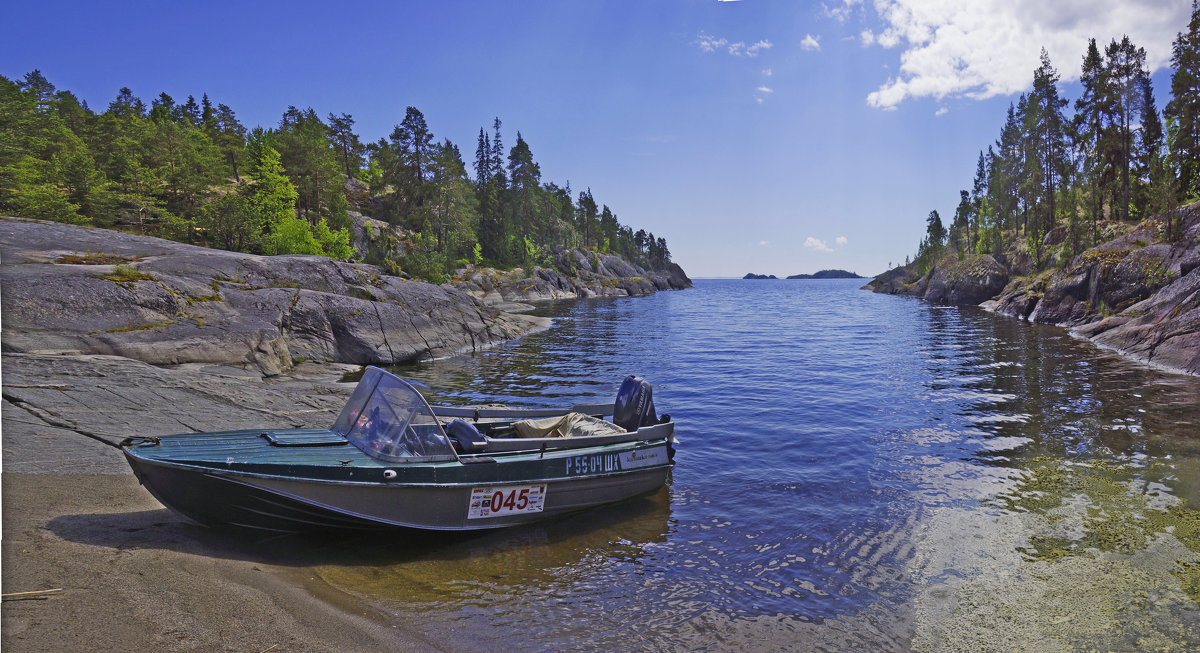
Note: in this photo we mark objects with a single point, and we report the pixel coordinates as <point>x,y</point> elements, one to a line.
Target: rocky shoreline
<point>567,274</point>
<point>107,334</point>
<point>1136,294</point>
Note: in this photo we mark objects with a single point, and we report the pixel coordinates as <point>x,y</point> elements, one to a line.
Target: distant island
<point>828,274</point>
<point>823,274</point>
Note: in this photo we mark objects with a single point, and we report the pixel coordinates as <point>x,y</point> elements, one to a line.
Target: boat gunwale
<point>227,472</point>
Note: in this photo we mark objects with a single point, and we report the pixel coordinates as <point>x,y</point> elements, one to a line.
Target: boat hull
<point>216,497</point>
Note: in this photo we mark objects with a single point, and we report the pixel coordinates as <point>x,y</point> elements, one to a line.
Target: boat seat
<point>465,436</point>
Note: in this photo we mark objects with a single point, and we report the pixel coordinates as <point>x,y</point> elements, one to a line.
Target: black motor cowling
<point>634,407</point>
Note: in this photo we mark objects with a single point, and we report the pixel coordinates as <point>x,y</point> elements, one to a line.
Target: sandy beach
<point>134,576</point>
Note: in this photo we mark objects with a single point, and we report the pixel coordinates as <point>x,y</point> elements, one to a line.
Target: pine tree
<point>1088,123</point>
<point>1046,132</point>
<point>341,132</point>
<point>230,138</point>
<point>410,150</point>
<point>588,213</point>
<point>314,166</point>
<point>1125,72</point>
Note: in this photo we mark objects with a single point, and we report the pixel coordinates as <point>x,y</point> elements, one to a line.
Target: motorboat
<point>391,460</point>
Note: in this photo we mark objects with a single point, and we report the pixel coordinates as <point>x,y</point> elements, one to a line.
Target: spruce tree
<point>1184,107</point>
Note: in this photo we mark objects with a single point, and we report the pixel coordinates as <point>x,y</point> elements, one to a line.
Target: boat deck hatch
<point>304,438</point>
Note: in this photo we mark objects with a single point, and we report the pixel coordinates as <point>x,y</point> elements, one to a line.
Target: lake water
<point>855,471</point>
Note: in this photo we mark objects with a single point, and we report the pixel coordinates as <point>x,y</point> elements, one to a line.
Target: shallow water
<point>855,471</point>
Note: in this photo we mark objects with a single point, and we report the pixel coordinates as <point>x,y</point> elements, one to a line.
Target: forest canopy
<point>191,171</point>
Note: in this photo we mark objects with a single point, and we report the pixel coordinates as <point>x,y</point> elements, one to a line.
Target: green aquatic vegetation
<point>1189,577</point>
<point>1049,549</point>
<point>1040,488</point>
<point>1121,514</point>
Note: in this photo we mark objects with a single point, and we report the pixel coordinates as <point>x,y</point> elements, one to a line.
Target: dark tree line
<point>191,171</point>
<point>1114,158</point>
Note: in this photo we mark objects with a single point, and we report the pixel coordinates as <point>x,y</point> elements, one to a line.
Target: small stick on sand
<point>39,594</point>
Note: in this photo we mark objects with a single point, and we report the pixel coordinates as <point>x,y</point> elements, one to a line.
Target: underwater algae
<point>1074,556</point>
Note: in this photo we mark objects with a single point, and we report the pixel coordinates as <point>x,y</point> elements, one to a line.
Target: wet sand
<point>134,576</point>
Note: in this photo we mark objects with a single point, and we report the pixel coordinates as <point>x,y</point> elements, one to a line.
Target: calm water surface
<point>856,471</point>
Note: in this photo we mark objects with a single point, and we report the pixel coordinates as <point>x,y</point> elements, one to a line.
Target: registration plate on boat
<point>506,500</point>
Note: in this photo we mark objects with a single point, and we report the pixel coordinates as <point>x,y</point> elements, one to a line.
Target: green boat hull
<point>316,481</point>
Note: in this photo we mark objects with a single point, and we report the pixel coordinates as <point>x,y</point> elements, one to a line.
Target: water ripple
<point>850,464</point>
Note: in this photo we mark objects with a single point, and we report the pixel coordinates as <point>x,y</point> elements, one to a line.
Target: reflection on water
<point>856,471</point>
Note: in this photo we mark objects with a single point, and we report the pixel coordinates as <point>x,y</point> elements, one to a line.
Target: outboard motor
<point>634,407</point>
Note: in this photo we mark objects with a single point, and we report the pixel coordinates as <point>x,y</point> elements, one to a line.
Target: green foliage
<point>189,170</point>
<point>314,165</point>
<point>423,258</point>
<point>271,192</point>
<point>232,222</point>
<point>293,235</point>
<point>123,273</point>
<point>335,243</point>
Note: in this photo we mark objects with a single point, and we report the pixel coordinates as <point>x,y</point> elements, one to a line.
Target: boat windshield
<point>390,420</point>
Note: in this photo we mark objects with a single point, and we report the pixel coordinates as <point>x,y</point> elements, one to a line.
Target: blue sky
<point>755,135</point>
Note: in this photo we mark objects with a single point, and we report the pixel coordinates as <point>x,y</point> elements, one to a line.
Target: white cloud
<point>841,241</point>
<point>750,51</point>
<point>983,48</point>
<point>710,43</point>
<point>941,111</point>
<point>763,243</point>
<point>767,72</point>
<point>818,245</point>
<point>841,13</point>
<point>810,43</point>
<point>764,89</point>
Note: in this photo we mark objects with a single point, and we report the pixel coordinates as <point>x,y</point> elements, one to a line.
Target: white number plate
<point>505,500</point>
